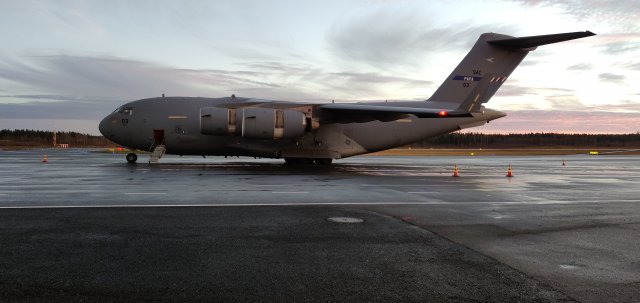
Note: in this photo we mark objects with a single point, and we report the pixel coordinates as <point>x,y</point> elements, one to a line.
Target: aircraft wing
<point>345,112</point>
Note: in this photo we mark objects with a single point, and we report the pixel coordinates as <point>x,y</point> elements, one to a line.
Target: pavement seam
<point>542,282</point>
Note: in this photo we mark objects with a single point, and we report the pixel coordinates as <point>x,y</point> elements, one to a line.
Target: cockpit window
<point>127,110</point>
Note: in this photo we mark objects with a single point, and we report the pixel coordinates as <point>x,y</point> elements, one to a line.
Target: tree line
<point>23,137</point>
<point>26,137</point>
<point>479,140</point>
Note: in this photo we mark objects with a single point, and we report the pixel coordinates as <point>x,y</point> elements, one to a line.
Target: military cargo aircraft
<point>306,133</point>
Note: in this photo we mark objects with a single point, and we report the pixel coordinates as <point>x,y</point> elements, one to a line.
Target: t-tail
<point>488,65</point>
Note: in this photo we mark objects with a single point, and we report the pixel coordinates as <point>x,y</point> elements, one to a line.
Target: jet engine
<point>256,123</point>
<point>217,121</point>
<point>269,123</point>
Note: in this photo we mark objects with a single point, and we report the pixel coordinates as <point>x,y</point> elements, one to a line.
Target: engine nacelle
<point>269,123</point>
<point>217,121</point>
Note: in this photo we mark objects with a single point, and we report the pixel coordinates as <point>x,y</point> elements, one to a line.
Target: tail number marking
<point>467,78</point>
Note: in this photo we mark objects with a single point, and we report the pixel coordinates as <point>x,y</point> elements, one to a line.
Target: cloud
<point>55,98</point>
<point>624,106</point>
<point>623,43</point>
<point>97,76</point>
<point>310,82</point>
<point>385,38</point>
<point>620,47</point>
<point>633,66</point>
<point>90,87</point>
<point>609,77</point>
<point>622,15</point>
<point>530,62</point>
<point>564,101</point>
<point>511,90</point>
<point>580,67</point>
<point>112,79</point>
<point>526,121</point>
<point>80,86</point>
<point>514,90</point>
<point>55,110</point>
<point>372,78</point>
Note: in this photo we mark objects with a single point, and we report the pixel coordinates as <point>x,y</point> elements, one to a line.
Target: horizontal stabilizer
<point>533,41</point>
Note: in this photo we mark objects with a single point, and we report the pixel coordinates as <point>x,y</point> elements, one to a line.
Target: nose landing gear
<point>132,158</point>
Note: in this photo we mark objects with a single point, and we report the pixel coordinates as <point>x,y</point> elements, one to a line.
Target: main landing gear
<point>308,161</point>
<point>323,161</point>
<point>132,158</point>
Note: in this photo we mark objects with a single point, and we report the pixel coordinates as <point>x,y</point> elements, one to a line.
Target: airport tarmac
<point>88,226</point>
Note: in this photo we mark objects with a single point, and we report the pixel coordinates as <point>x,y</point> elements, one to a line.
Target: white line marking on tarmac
<point>422,192</point>
<point>289,192</point>
<point>394,185</point>
<point>312,204</point>
<point>145,193</point>
<point>270,185</point>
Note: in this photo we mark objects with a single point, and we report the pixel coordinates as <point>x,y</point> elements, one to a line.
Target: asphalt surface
<point>86,227</point>
<point>279,254</point>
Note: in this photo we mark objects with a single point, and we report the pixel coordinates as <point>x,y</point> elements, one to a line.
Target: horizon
<point>465,131</point>
<point>74,63</point>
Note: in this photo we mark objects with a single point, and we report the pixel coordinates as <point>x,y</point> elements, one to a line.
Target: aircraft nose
<point>103,126</point>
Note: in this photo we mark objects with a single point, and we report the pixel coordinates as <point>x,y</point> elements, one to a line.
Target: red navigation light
<point>119,148</point>
<point>442,113</point>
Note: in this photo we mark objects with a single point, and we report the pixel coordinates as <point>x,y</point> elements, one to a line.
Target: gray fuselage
<point>178,119</point>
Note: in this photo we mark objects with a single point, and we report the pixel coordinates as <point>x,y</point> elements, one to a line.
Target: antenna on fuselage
<point>162,95</point>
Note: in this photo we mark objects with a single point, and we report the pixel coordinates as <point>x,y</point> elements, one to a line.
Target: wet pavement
<point>86,225</point>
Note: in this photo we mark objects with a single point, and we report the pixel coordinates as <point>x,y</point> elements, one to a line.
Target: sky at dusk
<point>67,64</point>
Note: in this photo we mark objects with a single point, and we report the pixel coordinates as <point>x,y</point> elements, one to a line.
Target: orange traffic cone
<point>44,159</point>
<point>455,171</point>
<point>509,173</point>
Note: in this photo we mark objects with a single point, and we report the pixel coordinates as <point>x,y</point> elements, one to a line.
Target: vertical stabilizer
<point>474,100</point>
<point>483,59</point>
<point>495,56</point>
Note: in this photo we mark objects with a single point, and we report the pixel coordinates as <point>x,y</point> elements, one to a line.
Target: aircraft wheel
<point>132,158</point>
<point>323,161</point>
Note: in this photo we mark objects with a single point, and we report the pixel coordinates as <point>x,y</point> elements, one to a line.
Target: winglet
<point>534,41</point>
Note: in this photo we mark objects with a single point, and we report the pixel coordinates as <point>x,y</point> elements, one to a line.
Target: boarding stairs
<point>157,153</point>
